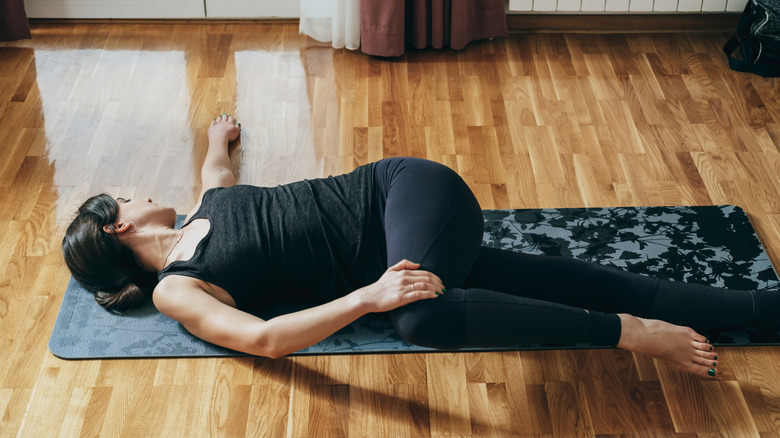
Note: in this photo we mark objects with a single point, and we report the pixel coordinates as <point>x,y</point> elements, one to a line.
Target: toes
<point>707,355</point>
<point>706,361</point>
<point>701,370</point>
<point>708,372</point>
<point>703,346</point>
<point>696,337</point>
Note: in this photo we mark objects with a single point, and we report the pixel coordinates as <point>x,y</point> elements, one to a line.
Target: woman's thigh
<point>430,217</point>
<point>563,280</point>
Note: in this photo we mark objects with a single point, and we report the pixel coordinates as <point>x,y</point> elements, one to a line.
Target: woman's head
<point>99,261</point>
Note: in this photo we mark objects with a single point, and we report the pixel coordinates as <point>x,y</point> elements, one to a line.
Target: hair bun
<point>130,295</point>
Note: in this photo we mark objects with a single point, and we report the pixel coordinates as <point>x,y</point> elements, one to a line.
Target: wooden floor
<point>529,121</point>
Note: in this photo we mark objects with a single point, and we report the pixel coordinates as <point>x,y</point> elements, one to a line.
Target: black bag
<point>758,35</point>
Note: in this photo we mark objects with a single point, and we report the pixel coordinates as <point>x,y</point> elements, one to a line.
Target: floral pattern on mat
<point>713,245</point>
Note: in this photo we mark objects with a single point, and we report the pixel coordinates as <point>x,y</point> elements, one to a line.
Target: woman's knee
<point>437,323</point>
<point>432,183</point>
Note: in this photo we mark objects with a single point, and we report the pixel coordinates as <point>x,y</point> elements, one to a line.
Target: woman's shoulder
<point>171,294</point>
<point>175,287</point>
<point>204,197</point>
<point>175,291</point>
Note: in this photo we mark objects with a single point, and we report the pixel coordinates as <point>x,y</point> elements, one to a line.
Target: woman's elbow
<point>265,346</point>
<point>271,353</point>
<point>274,353</point>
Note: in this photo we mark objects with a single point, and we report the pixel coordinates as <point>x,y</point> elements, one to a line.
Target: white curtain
<point>337,21</point>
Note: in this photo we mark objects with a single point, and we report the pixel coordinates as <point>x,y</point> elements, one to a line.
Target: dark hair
<point>100,262</point>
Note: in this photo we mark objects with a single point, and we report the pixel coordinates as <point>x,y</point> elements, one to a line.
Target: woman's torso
<point>301,243</point>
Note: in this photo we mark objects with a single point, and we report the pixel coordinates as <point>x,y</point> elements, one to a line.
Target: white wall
<point>114,8</point>
<point>253,8</point>
<point>162,8</point>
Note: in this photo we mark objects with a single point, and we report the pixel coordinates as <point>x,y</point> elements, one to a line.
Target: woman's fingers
<point>417,296</point>
<point>404,264</point>
<point>430,279</point>
<point>401,284</point>
<point>424,281</point>
<point>425,287</point>
<point>420,292</point>
<point>415,284</point>
<point>413,270</point>
<point>224,117</point>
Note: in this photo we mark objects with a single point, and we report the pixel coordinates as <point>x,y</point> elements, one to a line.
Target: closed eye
<point>122,200</point>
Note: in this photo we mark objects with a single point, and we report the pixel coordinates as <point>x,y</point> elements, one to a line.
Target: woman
<point>387,237</point>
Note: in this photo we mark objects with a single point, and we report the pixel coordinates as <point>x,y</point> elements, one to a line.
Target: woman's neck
<point>153,247</point>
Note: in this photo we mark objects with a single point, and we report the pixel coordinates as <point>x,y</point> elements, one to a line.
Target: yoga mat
<point>713,245</point>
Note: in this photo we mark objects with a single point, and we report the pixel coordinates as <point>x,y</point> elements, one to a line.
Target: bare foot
<point>680,346</point>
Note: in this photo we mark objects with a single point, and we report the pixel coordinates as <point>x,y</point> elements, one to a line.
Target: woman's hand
<point>224,128</point>
<point>401,284</point>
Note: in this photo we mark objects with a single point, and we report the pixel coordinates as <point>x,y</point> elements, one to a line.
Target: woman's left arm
<point>402,284</point>
<point>216,322</point>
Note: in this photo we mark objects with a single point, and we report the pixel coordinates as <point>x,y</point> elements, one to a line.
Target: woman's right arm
<point>217,170</point>
<point>213,321</point>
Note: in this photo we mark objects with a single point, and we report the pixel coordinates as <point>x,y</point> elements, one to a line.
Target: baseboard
<point>622,23</point>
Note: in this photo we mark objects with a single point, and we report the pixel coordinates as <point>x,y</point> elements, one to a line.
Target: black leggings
<point>500,298</point>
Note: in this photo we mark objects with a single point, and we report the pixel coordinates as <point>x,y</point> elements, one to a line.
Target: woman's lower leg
<point>606,289</point>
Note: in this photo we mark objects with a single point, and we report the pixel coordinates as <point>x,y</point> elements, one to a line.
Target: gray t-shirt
<point>302,243</point>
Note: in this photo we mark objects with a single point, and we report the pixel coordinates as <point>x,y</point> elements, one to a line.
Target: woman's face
<point>145,212</point>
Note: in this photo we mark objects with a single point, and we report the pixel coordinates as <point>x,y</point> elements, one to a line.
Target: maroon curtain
<point>386,25</point>
<point>13,20</point>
